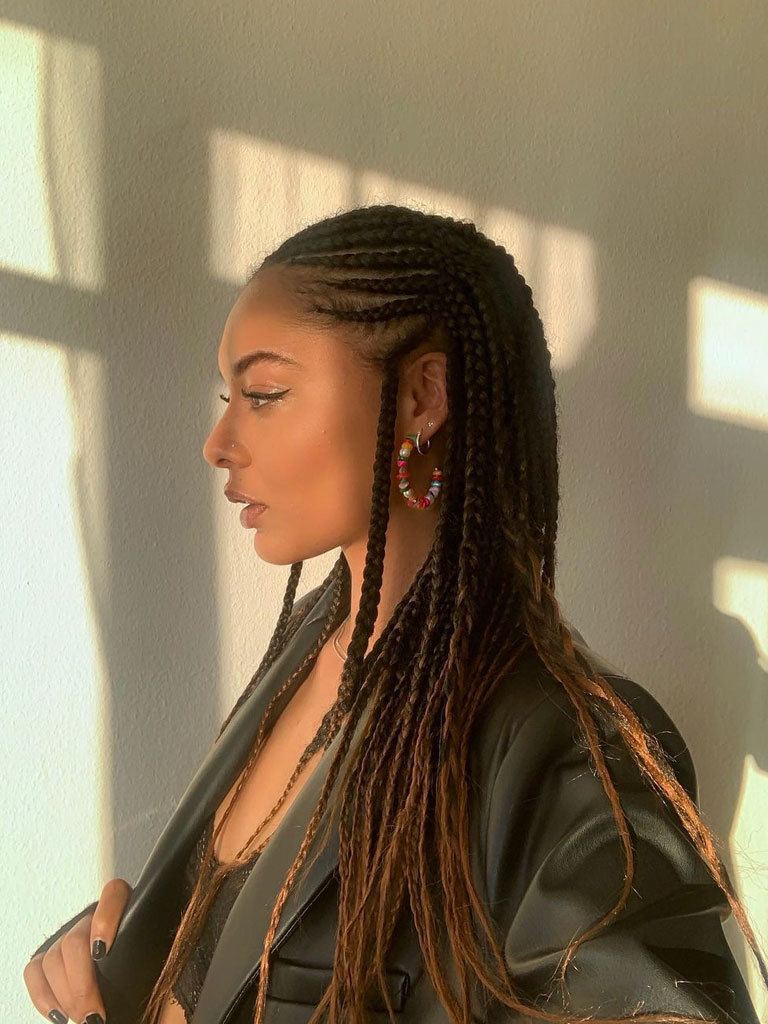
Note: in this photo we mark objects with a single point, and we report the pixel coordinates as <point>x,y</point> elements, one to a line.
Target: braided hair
<point>386,278</point>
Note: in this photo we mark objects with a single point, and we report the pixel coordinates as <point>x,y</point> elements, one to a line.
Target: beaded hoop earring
<point>403,480</point>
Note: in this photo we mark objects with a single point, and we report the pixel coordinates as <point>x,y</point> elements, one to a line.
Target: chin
<point>272,551</point>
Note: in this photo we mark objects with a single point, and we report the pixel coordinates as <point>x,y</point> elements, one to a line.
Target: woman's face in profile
<point>298,433</point>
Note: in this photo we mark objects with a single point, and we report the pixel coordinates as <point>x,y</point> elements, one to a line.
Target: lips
<point>249,515</point>
<point>238,496</point>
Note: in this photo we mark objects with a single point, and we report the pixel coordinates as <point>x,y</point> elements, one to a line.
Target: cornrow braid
<point>382,267</point>
<point>386,278</point>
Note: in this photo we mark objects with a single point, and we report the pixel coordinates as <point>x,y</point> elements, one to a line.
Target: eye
<point>257,396</point>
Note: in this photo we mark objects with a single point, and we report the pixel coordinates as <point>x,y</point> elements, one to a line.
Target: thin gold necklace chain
<point>336,635</point>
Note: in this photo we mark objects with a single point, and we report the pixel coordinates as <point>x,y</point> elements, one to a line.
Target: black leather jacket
<point>546,858</point>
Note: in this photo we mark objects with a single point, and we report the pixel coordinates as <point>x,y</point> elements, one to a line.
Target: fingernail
<point>98,949</point>
<point>57,1017</point>
<point>94,1018</point>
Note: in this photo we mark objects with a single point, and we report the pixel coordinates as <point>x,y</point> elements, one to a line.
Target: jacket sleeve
<point>554,864</point>
<point>64,928</point>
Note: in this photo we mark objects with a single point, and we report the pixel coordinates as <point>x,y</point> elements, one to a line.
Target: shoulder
<point>552,857</point>
<point>530,718</point>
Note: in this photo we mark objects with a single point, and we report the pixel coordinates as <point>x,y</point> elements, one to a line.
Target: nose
<point>220,451</point>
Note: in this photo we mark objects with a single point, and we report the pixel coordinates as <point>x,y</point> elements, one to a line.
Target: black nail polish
<point>57,1017</point>
<point>98,949</point>
<point>94,1018</point>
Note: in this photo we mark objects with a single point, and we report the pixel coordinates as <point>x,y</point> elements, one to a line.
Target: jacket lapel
<point>147,927</point>
<point>235,963</point>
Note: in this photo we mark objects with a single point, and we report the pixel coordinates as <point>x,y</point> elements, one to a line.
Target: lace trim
<point>186,991</point>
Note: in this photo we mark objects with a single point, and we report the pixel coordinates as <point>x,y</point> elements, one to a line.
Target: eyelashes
<point>257,396</point>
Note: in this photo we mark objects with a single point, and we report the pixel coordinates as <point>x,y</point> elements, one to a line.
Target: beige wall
<point>152,153</point>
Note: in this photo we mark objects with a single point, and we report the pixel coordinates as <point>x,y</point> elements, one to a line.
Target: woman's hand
<point>62,980</point>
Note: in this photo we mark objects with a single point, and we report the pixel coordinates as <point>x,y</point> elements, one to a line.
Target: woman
<point>433,802</point>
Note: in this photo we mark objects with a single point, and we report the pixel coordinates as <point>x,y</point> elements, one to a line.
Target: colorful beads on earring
<point>413,500</point>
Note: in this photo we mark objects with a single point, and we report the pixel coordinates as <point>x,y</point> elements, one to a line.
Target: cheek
<point>308,469</point>
<point>320,455</point>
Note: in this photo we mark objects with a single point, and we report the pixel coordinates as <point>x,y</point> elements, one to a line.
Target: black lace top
<point>187,988</point>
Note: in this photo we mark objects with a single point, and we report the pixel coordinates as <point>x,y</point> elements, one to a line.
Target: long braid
<point>529,527</point>
<point>386,278</point>
<point>209,882</point>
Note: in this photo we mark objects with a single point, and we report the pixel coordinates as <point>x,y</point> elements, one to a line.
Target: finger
<point>84,995</point>
<point>107,915</point>
<point>56,976</point>
<point>40,992</point>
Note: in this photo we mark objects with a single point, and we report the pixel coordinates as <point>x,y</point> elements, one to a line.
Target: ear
<point>423,392</point>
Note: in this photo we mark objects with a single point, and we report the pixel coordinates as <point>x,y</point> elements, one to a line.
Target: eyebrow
<point>261,356</point>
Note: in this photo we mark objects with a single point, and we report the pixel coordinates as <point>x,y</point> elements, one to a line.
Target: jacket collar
<point>154,910</point>
<point>235,964</point>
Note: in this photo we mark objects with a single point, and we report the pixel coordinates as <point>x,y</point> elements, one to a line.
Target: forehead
<point>262,322</point>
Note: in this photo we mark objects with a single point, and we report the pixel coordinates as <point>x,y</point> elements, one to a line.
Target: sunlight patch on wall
<point>261,192</point>
<point>51,172</point>
<point>56,808</point>
<point>376,187</point>
<point>728,353</point>
<point>740,590</point>
<point>557,263</point>
<point>749,854</point>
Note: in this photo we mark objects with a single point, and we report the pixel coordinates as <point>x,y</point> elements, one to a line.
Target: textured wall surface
<point>152,154</point>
